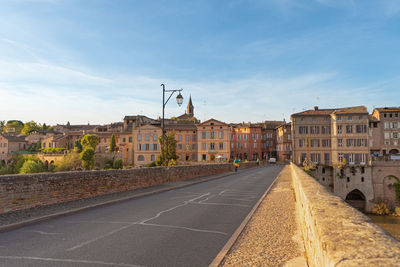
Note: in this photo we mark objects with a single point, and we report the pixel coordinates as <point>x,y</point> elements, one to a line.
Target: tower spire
<point>190,107</point>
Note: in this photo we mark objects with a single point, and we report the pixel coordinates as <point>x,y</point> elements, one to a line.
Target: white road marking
<point>134,223</point>
<point>99,237</point>
<point>178,206</point>
<point>44,233</point>
<point>68,260</point>
<point>114,222</point>
<point>221,204</point>
<point>185,228</point>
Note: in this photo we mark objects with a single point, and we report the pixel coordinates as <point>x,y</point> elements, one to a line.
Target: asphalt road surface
<point>182,227</point>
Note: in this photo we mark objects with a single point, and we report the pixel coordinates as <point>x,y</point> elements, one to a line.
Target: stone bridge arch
<point>356,199</point>
<point>393,151</point>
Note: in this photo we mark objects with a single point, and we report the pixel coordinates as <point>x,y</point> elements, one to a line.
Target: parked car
<point>272,160</point>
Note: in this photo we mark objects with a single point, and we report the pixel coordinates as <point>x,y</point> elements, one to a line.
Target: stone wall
<point>334,233</point>
<point>25,191</point>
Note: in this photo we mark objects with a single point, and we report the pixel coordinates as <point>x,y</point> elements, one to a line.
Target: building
<point>269,140</point>
<point>146,147</point>
<point>246,141</point>
<point>328,136</point>
<point>186,139</point>
<point>213,141</point>
<point>385,131</point>
<point>11,144</point>
<point>284,142</point>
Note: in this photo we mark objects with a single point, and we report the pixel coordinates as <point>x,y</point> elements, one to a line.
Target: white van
<point>272,160</point>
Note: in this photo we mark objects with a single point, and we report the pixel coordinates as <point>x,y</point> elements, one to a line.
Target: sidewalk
<point>272,237</point>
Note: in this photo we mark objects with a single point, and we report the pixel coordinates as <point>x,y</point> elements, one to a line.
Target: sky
<point>96,61</point>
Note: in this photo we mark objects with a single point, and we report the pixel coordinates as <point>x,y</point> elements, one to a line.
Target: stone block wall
<point>25,191</point>
<point>334,233</point>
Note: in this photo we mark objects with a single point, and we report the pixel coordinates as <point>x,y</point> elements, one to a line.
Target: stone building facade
<point>284,142</point>
<point>246,141</point>
<point>385,131</point>
<point>9,145</point>
<point>146,147</point>
<point>331,136</point>
<point>213,141</point>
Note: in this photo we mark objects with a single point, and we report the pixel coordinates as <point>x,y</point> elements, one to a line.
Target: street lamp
<point>179,101</point>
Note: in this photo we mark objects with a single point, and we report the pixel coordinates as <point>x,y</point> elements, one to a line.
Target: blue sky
<point>241,60</point>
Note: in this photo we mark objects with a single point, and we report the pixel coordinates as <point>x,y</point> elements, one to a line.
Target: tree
<point>78,146</point>
<point>31,166</point>
<point>112,143</point>
<point>13,126</point>
<point>29,126</point>
<point>68,124</point>
<point>87,157</point>
<point>2,124</point>
<point>90,140</point>
<point>170,153</point>
<point>117,164</point>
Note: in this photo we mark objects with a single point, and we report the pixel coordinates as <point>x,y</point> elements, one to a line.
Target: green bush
<point>153,164</point>
<point>31,166</point>
<point>52,150</point>
<point>69,162</point>
<point>117,164</point>
<point>108,164</point>
<point>87,157</point>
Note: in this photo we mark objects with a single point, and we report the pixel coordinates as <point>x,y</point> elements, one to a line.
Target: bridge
<point>184,216</point>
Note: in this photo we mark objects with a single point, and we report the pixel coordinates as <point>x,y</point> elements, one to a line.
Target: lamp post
<point>179,101</point>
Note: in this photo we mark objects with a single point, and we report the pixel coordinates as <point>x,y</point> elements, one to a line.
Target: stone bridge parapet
<point>334,233</point>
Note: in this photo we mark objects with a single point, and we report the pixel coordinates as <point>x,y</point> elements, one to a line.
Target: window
<point>221,135</point>
<point>130,139</point>
<point>147,137</point>
<point>139,147</point>
<point>245,145</point>
<point>140,158</point>
<point>203,146</point>
<point>386,125</point>
<point>339,129</point>
<point>303,130</point>
<point>179,137</point>
<point>349,118</point>
<point>212,146</point>
<point>326,159</point>
<point>123,140</point>
<point>314,119</point>
<point>155,147</point>
<point>339,118</point>
<point>203,135</point>
<point>152,158</point>
<point>147,147</point>
<point>349,128</point>
<point>255,145</point>
<point>238,145</point>
<point>221,146</point>
<point>212,135</point>
<point>238,137</point>
<point>395,135</point>
<point>139,137</point>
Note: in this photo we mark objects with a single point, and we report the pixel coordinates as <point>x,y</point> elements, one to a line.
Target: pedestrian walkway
<point>272,237</point>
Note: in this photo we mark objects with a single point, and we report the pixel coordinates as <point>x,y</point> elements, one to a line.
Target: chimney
<point>316,108</point>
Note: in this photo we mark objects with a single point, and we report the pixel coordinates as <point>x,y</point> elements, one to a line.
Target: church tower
<point>190,108</point>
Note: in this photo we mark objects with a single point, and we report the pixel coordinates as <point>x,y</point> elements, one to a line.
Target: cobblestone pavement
<point>272,237</point>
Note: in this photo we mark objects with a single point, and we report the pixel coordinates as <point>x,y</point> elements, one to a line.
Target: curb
<point>228,246</point>
<point>17,225</point>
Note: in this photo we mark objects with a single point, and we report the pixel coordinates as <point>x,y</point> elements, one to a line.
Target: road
<point>182,227</point>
